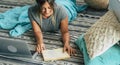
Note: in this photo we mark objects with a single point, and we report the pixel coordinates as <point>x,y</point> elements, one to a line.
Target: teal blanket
<point>16,20</point>
<point>71,8</point>
<point>110,57</point>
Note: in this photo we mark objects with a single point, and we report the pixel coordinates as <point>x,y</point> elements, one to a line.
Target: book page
<point>55,54</point>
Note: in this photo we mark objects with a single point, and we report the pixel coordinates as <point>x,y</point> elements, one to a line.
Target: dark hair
<point>40,3</point>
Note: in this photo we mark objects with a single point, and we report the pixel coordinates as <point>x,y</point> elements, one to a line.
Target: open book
<point>55,54</point>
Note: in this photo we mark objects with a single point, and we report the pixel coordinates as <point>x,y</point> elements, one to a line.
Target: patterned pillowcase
<point>102,35</point>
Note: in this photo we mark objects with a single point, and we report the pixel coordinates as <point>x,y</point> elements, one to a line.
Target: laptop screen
<point>14,48</point>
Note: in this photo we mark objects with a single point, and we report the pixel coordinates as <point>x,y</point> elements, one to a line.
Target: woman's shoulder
<point>60,10</point>
<point>59,7</point>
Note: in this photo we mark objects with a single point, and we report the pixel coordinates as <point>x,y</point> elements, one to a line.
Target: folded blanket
<point>16,20</point>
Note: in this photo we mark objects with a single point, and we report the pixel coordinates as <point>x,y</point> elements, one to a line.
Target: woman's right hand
<point>40,47</point>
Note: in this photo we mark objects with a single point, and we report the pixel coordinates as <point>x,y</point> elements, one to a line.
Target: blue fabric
<point>16,20</point>
<point>74,1</point>
<point>110,57</point>
<point>71,8</point>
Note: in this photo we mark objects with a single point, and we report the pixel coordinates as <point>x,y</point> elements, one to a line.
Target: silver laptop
<point>14,48</point>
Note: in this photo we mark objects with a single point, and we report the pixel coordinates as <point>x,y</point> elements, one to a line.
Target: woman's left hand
<point>69,49</point>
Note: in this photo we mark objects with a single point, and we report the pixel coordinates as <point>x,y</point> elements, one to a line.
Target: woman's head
<point>46,7</point>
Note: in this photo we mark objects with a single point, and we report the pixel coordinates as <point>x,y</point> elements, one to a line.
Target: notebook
<point>55,54</point>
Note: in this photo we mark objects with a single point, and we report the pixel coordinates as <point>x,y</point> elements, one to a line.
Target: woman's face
<point>46,10</point>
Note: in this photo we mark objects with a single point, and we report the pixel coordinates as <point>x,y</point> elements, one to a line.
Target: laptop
<point>114,5</point>
<point>14,48</point>
<point>17,50</point>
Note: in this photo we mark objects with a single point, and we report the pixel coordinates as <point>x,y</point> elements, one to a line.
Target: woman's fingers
<point>64,49</point>
<point>40,48</point>
<point>70,51</point>
<point>73,52</point>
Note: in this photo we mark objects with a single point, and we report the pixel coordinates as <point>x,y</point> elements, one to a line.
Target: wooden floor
<point>79,26</point>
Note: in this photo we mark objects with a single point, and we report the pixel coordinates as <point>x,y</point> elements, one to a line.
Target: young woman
<point>47,16</point>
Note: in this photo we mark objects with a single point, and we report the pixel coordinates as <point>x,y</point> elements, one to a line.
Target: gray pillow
<point>114,5</point>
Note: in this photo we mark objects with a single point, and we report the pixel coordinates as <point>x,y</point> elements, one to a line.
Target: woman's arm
<point>66,36</point>
<point>64,31</point>
<point>39,37</point>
